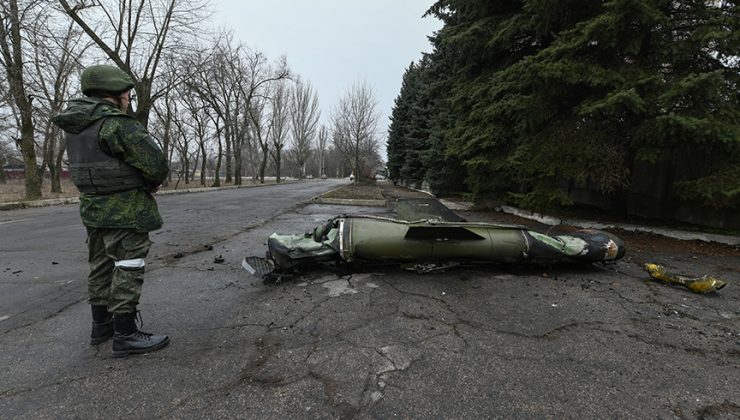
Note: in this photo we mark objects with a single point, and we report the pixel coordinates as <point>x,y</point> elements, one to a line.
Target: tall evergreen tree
<point>398,129</point>
<point>543,91</point>
<point>444,170</point>
<point>479,39</point>
<point>413,170</point>
<point>632,80</point>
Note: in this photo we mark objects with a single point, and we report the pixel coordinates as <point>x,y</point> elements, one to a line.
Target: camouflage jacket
<point>122,137</point>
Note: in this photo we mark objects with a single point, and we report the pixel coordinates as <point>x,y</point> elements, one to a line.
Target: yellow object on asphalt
<point>704,284</point>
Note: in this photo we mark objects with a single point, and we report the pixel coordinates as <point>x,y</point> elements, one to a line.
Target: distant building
<point>12,172</point>
<point>15,169</point>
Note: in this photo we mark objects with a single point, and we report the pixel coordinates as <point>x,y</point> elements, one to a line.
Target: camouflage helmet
<point>105,78</point>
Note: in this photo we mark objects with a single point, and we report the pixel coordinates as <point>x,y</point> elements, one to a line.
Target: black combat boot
<point>128,339</point>
<point>102,325</point>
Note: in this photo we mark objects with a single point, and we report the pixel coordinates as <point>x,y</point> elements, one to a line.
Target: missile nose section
<point>615,248</point>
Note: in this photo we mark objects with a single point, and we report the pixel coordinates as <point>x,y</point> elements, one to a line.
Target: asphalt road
<point>44,257</point>
<point>474,342</point>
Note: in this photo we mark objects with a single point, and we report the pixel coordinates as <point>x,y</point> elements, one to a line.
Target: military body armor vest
<point>94,171</point>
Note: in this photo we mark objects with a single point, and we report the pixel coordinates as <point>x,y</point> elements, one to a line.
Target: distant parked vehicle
<point>352,177</point>
<point>323,176</point>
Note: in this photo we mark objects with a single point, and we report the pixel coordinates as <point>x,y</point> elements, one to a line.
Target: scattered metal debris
<point>704,284</point>
<point>429,267</point>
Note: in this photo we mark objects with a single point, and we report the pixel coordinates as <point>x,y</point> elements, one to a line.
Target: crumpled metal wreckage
<point>703,284</point>
<point>428,244</point>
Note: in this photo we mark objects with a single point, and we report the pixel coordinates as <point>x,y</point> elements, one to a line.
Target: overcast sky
<point>335,43</point>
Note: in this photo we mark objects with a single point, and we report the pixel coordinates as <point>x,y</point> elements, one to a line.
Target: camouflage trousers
<point>116,258</point>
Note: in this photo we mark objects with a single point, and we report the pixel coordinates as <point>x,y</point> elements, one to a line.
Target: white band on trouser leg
<point>137,263</point>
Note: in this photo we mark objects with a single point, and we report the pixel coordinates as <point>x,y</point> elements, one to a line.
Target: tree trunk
<point>228,152</point>
<point>357,165</point>
<point>321,164</point>
<point>203,163</point>
<point>58,159</point>
<point>186,169</point>
<point>144,102</point>
<point>263,163</point>
<point>166,140</point>
<point>237,163</point>
<point>3,178</point>
<point>32,175</point>
<point>54,171</point>
<point>277,170</point>
<point>195,164</point>
<point>13,63</point>
<point>217,175</point>
<point>277,158</point>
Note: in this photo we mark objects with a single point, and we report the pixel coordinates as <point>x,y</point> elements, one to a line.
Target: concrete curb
<point>670,233</point>
<point>456,206</point>
<point>229,187</point>
<point>320,199</point>
<point>350,202</point>
<point>16,205</point>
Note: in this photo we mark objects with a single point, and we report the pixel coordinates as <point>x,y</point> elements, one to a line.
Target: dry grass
<point>357,192</point>
<point>15,190</point>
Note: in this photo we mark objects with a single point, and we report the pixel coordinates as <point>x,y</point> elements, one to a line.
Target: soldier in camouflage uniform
<point>117,167</point>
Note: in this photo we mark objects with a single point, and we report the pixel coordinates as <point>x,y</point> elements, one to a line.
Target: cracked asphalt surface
<point>471,342</point>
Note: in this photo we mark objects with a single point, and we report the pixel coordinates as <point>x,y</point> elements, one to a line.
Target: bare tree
<point>225,96</point>
<point>278,128</point>
<point>11,52</point>
<point>213,81</point>
<point>57,51</point>
<point>239,118</point>
<point>195,118</point>
<point>165,111</point>
<point>5,117</point>
<point>183,136</point>
<point>355,127</point>
<point>135,34</point>
<point>323,138</point>
<point>304,117</point>
<point>198,119</point>
<point>4,151</point>
<point>259,127</point>
<point>336,164</point>
<point>253,77</point>
<point>200,96</point>
<point>216,120</point>
<point>231,81</point>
